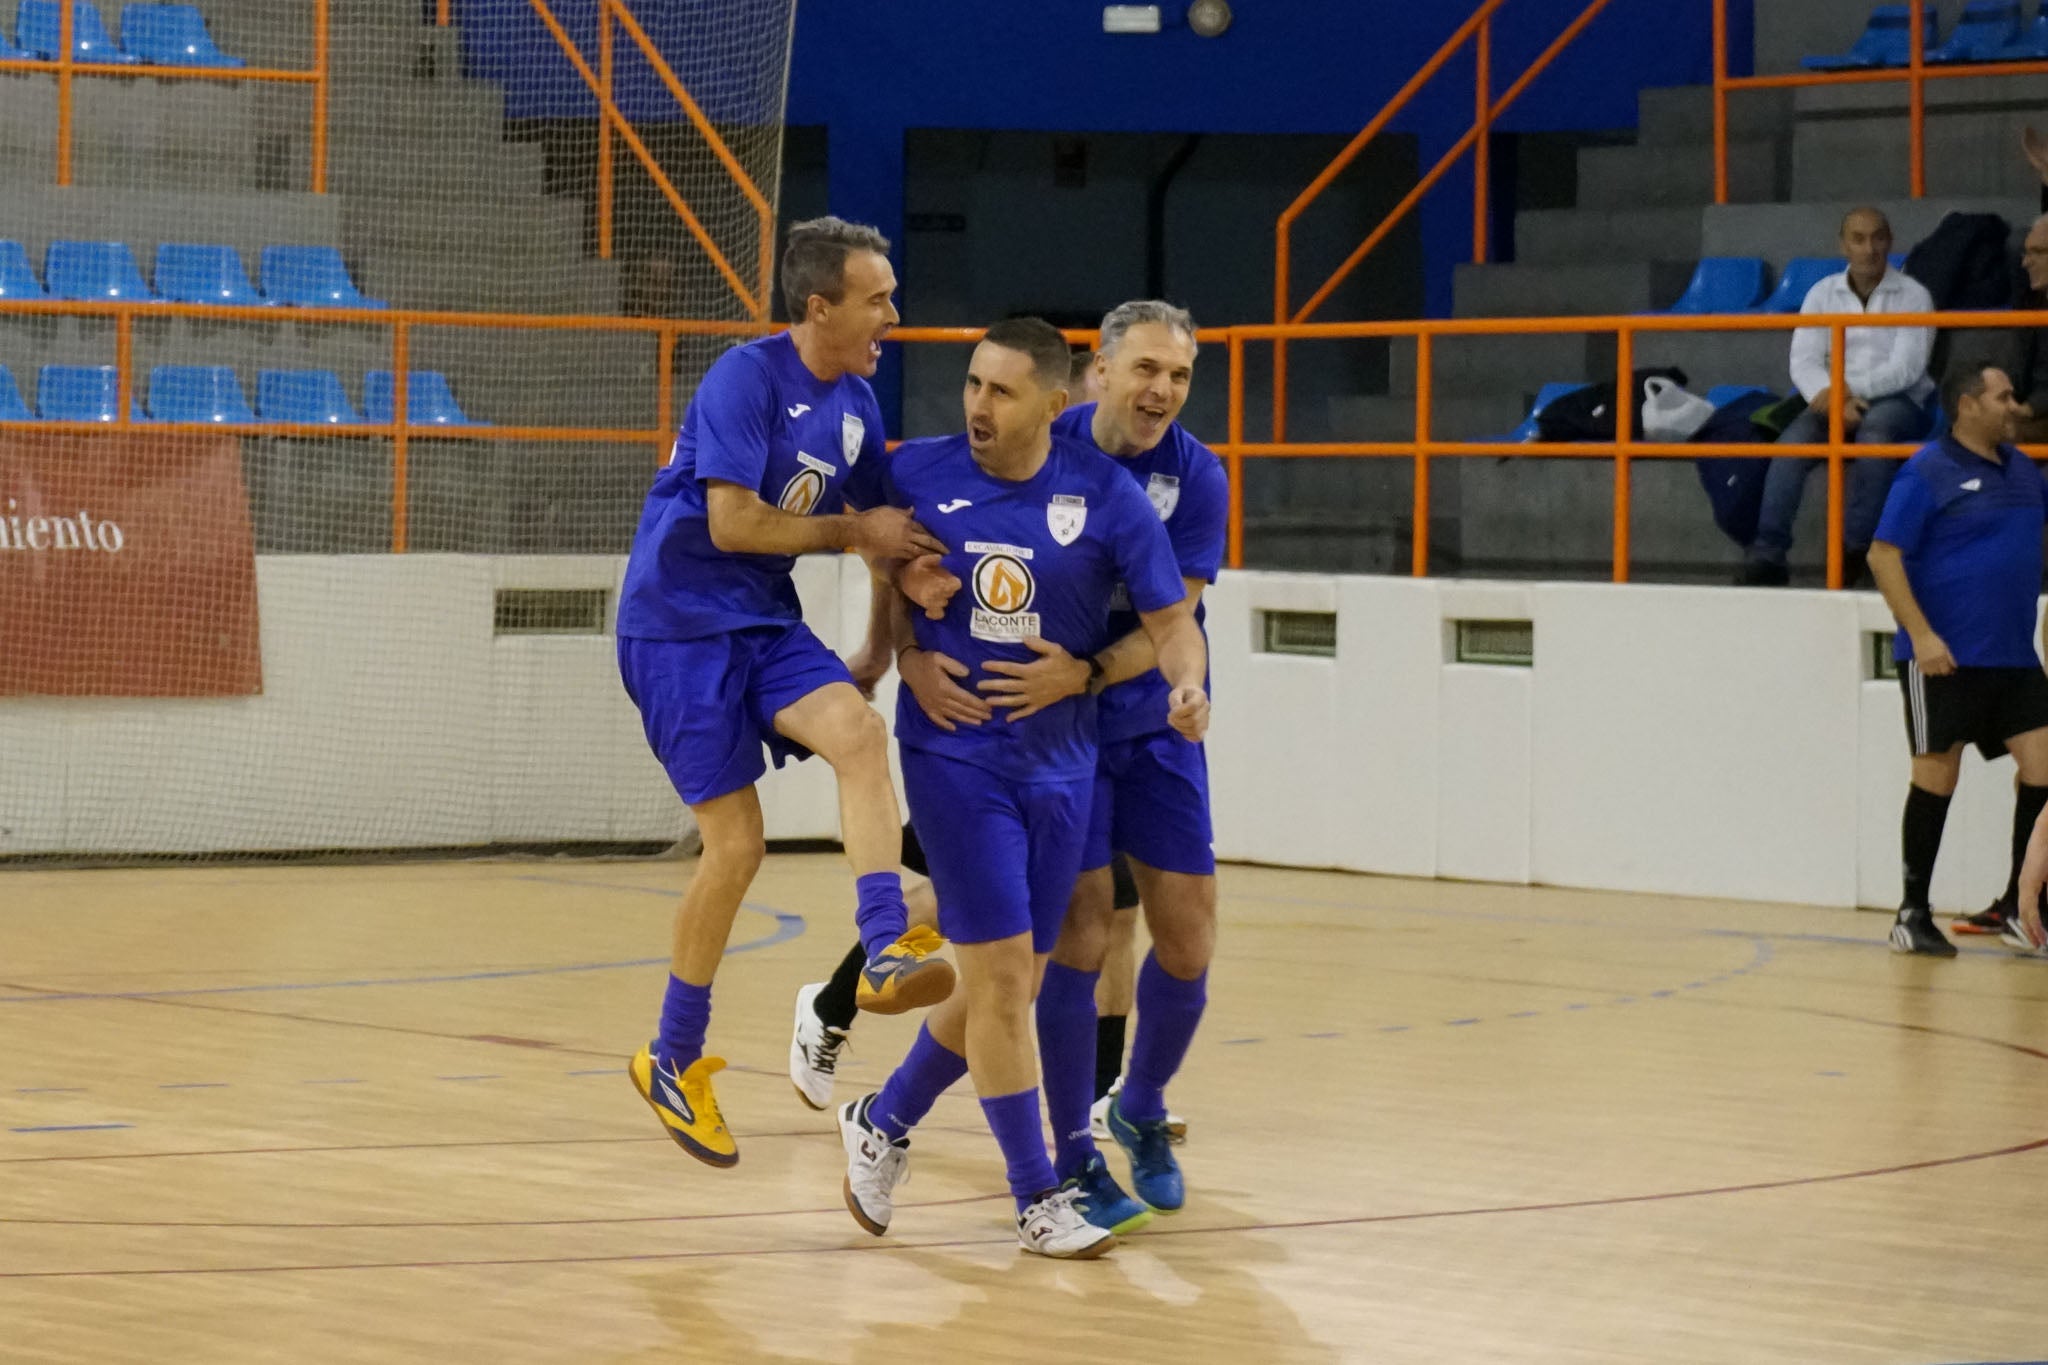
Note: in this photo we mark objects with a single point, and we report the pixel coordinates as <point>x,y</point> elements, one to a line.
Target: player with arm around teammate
<point>780,435</point>
<point>1044,529</point>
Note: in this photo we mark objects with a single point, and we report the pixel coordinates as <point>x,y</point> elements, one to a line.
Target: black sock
<point>2026,809</point>
<point>1109,1051</point>
<point>835,1003</point>
<point>1920,839</point>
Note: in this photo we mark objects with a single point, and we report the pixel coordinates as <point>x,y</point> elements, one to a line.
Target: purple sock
<point>1014,1120</point>
<point>1066,1055</point>
<point>928,1069</point>
<point>1169,1009</point>
<point>685,1014</point>
<point>880,914</point>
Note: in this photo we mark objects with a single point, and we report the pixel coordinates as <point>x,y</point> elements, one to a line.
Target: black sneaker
<point>1757,573</point>
<point>1992,919</point>
<point>1914,932</point>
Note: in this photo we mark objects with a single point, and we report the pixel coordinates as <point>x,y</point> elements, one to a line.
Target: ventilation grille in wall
<point>1878,660</point>
<point>1313,633</point>
<point>1510,644</point>
<point>550,611</point>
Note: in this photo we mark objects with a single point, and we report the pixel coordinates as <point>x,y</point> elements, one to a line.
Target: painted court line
<point>71,1128</point>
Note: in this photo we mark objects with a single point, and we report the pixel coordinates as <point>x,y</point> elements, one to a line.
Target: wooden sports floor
<point>380,1114</point>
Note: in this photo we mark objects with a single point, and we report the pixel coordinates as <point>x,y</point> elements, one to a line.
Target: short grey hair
<point>1122,318</point>
<point>814,260</point>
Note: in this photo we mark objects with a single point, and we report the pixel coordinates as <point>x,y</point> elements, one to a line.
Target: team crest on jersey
<point>852,431</point>
<point>1004,590</point>
<point>1065,515</point>
<point>801,494</point>
<point>1164,491</point>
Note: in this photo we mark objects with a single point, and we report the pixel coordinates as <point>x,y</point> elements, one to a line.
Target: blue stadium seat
<point>1545,396</point>
<point>1725,284</point>
<point>203,273</point>
<point>1886,41</point>
<point>10,53</point>
<point>38,27</point>
<point>429,400</point>
<point>310,396</point>
<point>2030,44</point>
<point>171,35</point>
<point>12,409</point>
<point>99,271</point>
<point>1985,28</point>
<point>17,276</point>
<point>1721,395</point>
<point>82,393</point>
<point>312,277</point>
<point>1797,279</point>
<point>197,393</point>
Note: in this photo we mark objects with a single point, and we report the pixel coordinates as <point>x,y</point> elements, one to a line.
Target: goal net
<point>340,346</point>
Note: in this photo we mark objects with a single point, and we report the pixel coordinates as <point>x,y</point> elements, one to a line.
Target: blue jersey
<point>763,421</point>
<point>1041,557</point>
<point>1969,532</point>
<point>1186,485</point>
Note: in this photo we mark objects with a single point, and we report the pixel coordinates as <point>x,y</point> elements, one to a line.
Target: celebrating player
<point>1046,529</point>
<point>714,652</point>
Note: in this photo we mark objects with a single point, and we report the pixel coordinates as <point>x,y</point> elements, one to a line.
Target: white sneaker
<point>2016,938</point>
<point>1054,1227</point>
<point>813,1050</point>
<point>1098,1118</point>
<point>875,1166</point>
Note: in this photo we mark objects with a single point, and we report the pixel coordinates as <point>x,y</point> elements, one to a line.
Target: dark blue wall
<point>868,71</point>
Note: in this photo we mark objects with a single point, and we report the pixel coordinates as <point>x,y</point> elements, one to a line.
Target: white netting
<point>398,700</point>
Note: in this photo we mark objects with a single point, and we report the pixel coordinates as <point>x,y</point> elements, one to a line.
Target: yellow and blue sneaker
<point>1155,1175</point>
<point>905,975</point>
<point>1102,1201</point>
<point>685,1105</point>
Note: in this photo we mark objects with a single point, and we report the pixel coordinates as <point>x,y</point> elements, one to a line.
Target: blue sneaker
<point>1155,1175</point>
<point>1103,1202</point>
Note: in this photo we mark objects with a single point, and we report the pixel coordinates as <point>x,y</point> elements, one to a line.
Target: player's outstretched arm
<point>741,523</point>
<point>1133,656</point>
<point>1184,663</point>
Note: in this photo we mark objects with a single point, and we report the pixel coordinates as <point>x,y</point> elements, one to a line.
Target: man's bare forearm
<point>1889,569</point>
<point>742,524</point>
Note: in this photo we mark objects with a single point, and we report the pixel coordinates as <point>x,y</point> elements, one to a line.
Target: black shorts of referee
<point>1980,706</point>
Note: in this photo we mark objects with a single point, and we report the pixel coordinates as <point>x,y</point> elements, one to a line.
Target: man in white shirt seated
<point>1885,370</point>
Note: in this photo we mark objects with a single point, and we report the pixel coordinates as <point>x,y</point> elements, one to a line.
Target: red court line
<point>1299,1225</point>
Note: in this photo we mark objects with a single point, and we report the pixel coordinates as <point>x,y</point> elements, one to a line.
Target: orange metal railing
<point>67,70</point>
<point>1916,73</point>
<point>1424,447</point>
<point>1477,30</point>
<point>402,323</point>
<point>759,299</point>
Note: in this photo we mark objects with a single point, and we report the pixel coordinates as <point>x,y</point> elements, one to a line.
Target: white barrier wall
<point>1691,741</point>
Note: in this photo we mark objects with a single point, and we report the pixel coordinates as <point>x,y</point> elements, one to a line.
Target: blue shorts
<point>1152,804</point>
<point>1004,855</point>
<point>708,705</point>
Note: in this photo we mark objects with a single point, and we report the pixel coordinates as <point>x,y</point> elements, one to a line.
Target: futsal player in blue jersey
<point>781,436</point>
<point>1045,528</point>
<point>1151,791</point>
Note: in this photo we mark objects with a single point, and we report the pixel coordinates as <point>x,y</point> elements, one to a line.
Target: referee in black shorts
<point>1958,557</point>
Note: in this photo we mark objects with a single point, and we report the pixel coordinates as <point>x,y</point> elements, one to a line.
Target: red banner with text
<point>127,567</point>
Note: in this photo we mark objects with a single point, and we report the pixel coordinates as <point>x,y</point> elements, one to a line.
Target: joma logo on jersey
<point>1003,593</point>
<point>801,494</point>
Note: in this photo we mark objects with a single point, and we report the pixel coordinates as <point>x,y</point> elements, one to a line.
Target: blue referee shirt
<point>1969,531</point>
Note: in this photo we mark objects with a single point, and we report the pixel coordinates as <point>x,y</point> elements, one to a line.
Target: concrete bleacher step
<point>464,283</point>
<point>1684,114</point>
<point>421,111</point>
<point>1381,417</point>
<point>495,171</point>
<point>1779,232</point>
<point>1498,291</point>
<point>1759,171</point>
<point>1710,358</point>
<point>1590,236</point>
<point>549,228</point>
<point>1485,365</point>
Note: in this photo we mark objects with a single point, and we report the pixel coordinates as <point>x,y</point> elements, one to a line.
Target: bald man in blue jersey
<point>781,435</point>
